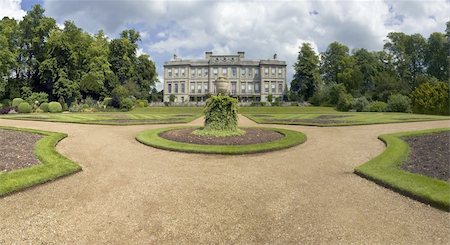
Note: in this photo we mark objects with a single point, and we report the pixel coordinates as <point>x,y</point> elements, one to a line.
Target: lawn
<point>327,116</point>
<point>52,164</point>
<point>385,170</point>
<point>148,115</point>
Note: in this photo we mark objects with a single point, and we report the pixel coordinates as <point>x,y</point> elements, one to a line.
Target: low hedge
<point>52,164</point>
<point>152,138</point>
<point>385,170</point>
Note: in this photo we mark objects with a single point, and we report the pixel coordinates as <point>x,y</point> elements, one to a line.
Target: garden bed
<point>429,155</point>
<point>17,149</point>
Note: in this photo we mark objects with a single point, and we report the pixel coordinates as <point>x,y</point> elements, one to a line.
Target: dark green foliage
<point>44,107</point>
<point>141,103</point>
<point>399,103</point>
<point>360,104</point>
<point>126,104</point>
<point>107,101</point>
<point>16,102</point>
<point>37,98</point>
<point>270,98</point>
<point>221,113</point>
<point>55,107</point>
<point>172,98</point>
<point>24,107</point>
<point>345,102</point>
<point>6,102</point>
<point>431,98</point>
<point>307,74</point>
<point>118,94</point>
<point>377,106</point>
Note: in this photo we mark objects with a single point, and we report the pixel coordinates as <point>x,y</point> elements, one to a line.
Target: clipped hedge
<point>44,107</point>
<point>24,107</point>
<point>55,107</point>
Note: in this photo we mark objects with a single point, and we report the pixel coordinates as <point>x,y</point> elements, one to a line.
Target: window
<point>169,88</point>
<point>199,72</point>
<point>192,72</point>
<point>233,87</point>
<point>206,87</point>
<point>224,70</point>
<point>169,72</point>
<point>242,71</point>
<point>215,71</point>
<point>273,88</point>
<point>234,71</point>
<point>183,88</point>
<point>193,88</point>
<point>249,87</point>
<point>256,87</point>
<point>243,88</point>
<point>250,72</point>
<point>280,88</point>
<point>176,72</point>
<point>273,71</point>
<point>176,88</point>
<point>280,71</point>
<point>206,72</point>
<point>266,87</point>
<point>266,71</point>
<point>183,71</point>
<point>199,88</point>
<point>256,72</point>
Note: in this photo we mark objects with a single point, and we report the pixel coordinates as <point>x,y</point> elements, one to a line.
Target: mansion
<point>250,80</point>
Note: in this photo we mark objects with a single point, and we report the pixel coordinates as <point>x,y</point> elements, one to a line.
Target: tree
<point>8,51</point>
<point>307,73</point>
<point>332,60</point>
<point>436,56</point>
<point>67,91</point>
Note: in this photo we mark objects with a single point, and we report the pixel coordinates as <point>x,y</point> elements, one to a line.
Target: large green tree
<point>436,56</point>
<point>331,62</point>
<point>307,74</point>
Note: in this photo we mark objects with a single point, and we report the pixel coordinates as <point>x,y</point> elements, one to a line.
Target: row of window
<point>203,72</point>
<point>269,87</point>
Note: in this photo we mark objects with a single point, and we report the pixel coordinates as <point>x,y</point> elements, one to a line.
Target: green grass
<point>152,138</point>
<point>385,170</point>
<point>148,115</point>
<point>52,164</point>
<point>310,116</point>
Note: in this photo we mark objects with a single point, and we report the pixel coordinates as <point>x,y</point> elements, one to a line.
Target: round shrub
<point>1,105</point>
<point>126,104</point>
<point>44,107</point>
<point>141,103</point>
<point>54,107</point>
<point>431,98</point>
<point>345,102</point>
<point>360,104</point>
<point>17,101</point>
<point>24,107</point>
<point>377,106</point>
<point>399,103</point>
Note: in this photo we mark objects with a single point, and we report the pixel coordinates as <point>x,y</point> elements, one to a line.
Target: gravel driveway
<point>129,193</point>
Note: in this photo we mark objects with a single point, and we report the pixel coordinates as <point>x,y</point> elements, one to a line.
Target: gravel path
<point>134,194</point>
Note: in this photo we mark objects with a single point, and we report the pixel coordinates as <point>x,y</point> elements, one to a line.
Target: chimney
<point>208,55</point>
<point>241,54</point>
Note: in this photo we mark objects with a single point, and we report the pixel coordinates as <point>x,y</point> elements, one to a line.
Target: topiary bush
<point>360,104</point>
<point>431,98</point>
<point>142,103</point>
<point>221,117</point>
<point>55,107</point>
<point>16,102</point>
<point>44,107</point>
<point>24,107</point>
<point>399,103</point>
<point>377,106</point>
<point>126,104</point>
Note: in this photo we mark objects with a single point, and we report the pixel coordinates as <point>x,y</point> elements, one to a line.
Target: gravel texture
<point>429,155</point>
<point>251,136</point>
<point>17,149</point>
<point>134,194</point>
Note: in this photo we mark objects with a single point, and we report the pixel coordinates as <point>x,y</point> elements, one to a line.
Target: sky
<point>261,28</point>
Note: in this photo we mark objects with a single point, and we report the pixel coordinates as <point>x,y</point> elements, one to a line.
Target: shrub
<point>1,105</point>
<point>277,102</point>
<point>221,113</point>
<point>24,107</point>
<point>126,104</point>
<point>377,106</point>
<point>431,98</point>
<point>55,107</point>
<point>262,103</point>
<point>37,98</point>
<point>119,93</point>
<point>345,102</point>
<point>399,103</point>
<point>6,102</point>
<point>294,104</point>
<point>65,107</point>
<point>44,107</point>
<point>172,98</point>
<point>142,103</point>
<point>16,102</point>
<point>334,93</point>
<point>269,98</point>
<point>360,104</point>
<point>6,109</point>
<point>107,101</point>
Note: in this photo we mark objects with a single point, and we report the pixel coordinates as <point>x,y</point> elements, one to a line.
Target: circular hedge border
<point>152,138</point>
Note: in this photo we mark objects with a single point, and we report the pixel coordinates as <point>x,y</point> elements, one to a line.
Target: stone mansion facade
<point>250,80</point>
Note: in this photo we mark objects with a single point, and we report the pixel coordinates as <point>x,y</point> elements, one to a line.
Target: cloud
<point>11,9</point>
<point>260,28</point>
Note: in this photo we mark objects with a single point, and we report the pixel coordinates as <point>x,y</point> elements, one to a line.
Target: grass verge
<point>152,138</point>
<point>52,164</point>
<point>385,170</point>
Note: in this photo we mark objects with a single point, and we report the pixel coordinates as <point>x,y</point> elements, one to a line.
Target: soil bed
<point>17,149</point>
<point>252,136</point>
<point>429,155</point>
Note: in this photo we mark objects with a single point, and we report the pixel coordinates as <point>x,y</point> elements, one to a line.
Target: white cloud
<point>260,28</point>
<point>11,8</point>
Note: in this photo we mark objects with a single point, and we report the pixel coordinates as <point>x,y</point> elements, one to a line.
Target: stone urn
<point>222,85</point>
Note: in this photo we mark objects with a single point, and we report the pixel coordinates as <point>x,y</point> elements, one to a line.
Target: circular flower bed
<point>254,140</point>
